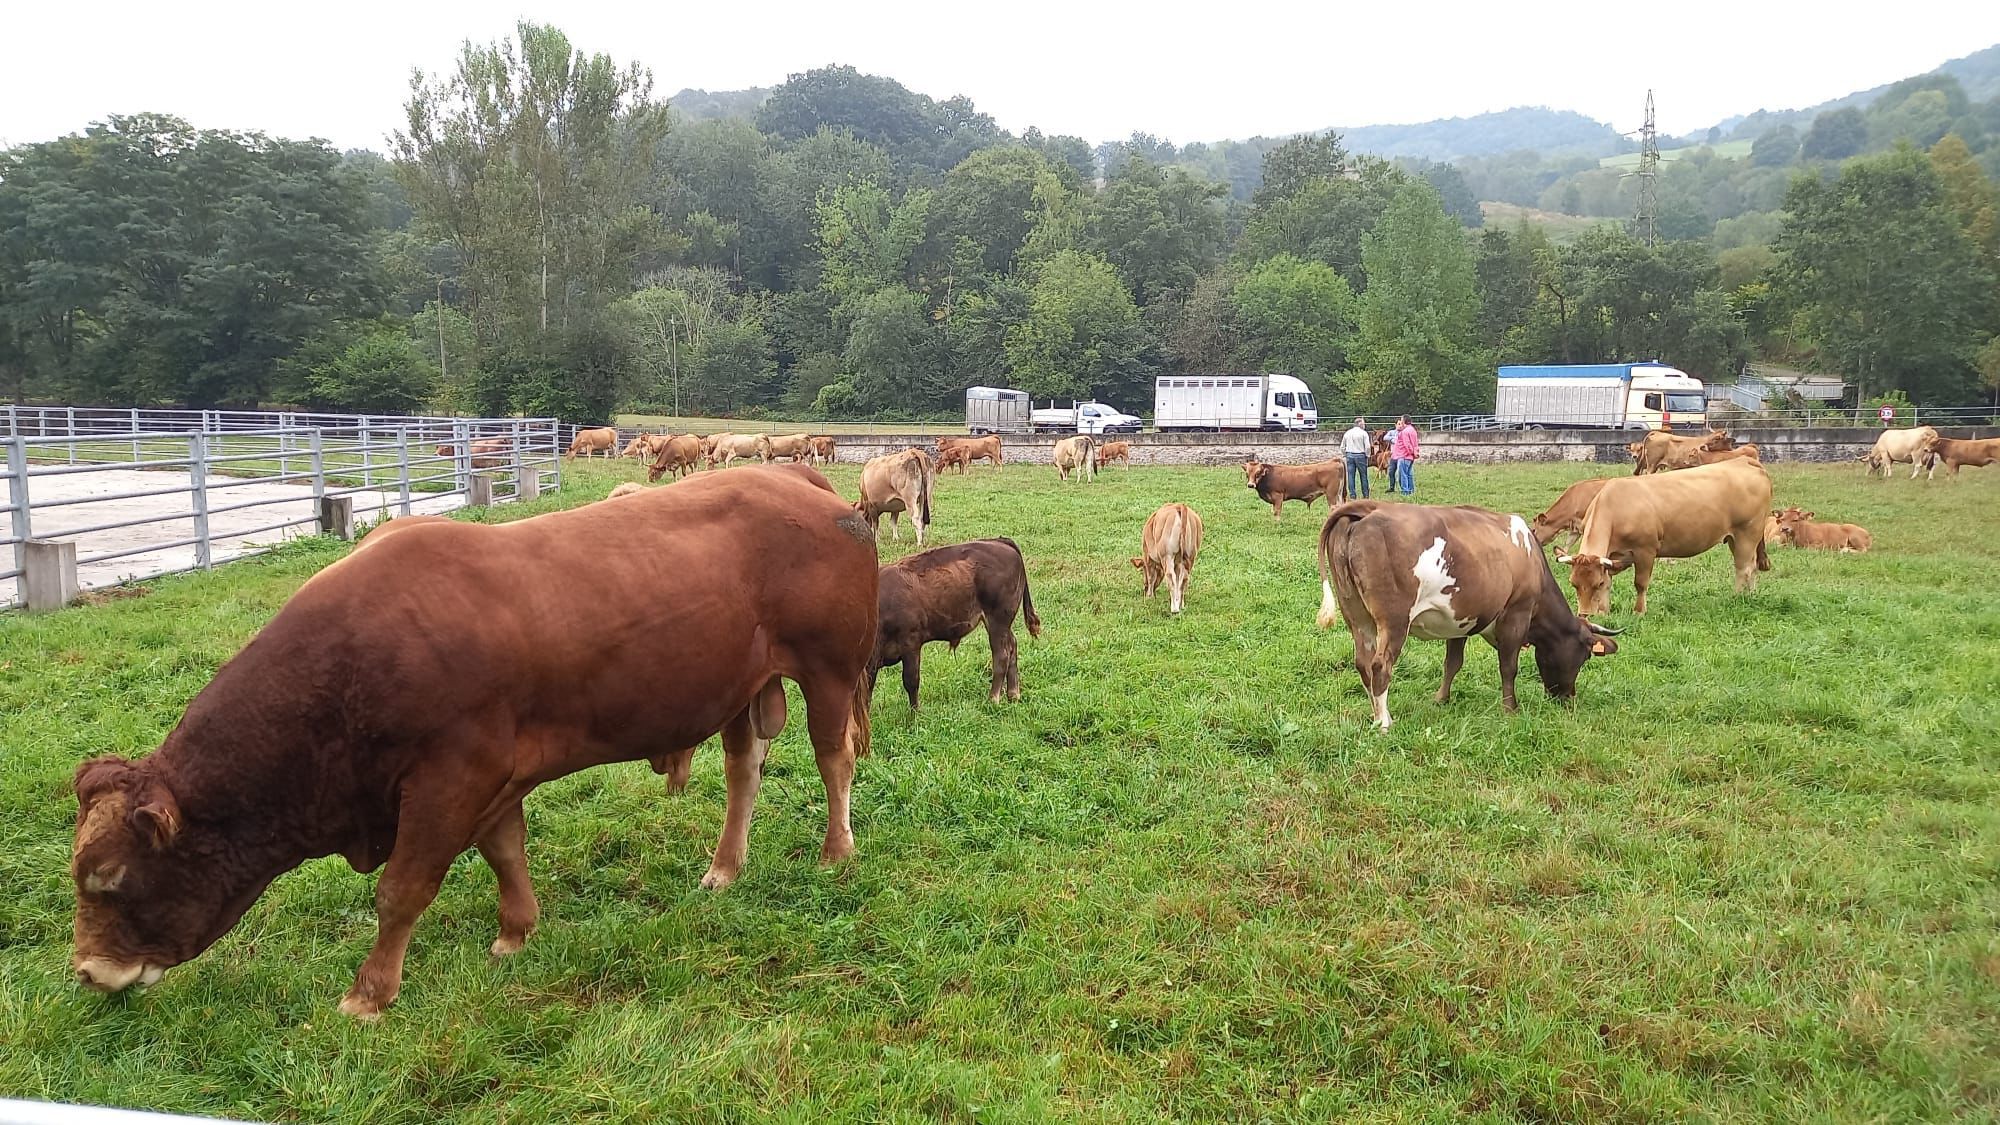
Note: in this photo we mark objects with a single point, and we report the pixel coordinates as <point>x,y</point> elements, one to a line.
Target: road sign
<point>1888,413</point>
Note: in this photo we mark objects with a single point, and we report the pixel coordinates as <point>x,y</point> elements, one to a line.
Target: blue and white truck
<point>1619,396</point>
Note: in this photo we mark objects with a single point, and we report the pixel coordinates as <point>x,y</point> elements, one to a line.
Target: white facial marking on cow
<point>1431,616</point>
<point>102,881</point>
<point>1518,532</point>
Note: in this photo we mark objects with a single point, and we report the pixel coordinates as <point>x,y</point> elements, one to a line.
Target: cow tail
<point>1027,595</point>
<point>1337,523</point>
<point>858,733</point>
<point>924,492</point>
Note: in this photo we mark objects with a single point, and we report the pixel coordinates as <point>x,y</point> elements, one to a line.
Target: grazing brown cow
<point>786,447</point>
<point>600,439</point>
<point>1075,456</point>
<point>971,449</point>
<point>728,447</point>
<point>1167,548</point>
<point>1276,484</point>
<point>949,455</point>
<point>1566,514</point>
<point>629,488</point>
<point>639,446</point>
<point>405,700</point>
<point>1957,453</point>
<point>1445,574</point>
<point>1912,445</point>
<point>1660,450</point>
<point>1796,528</point>
<point>822,451</point>
<point>897,482</point>
<point>1114,451</point>
<point>677,455</point>
<point>943,594</point>
<point>1635,522</point>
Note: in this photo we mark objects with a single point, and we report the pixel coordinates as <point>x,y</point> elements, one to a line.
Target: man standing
<point>1403,457</point>
<point>1354,446</point>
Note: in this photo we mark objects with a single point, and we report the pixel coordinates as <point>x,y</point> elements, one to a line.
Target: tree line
<point>547,235</point>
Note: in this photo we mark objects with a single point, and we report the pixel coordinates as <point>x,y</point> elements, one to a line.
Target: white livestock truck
<point>1618,396</point>
<point>1233,402</point>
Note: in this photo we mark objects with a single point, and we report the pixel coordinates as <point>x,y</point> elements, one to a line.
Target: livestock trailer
<point>1233,402</point>
<point>996,410</point>
<point>1636,396</point>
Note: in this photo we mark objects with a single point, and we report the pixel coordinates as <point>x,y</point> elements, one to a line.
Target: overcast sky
<point>1190,72</point>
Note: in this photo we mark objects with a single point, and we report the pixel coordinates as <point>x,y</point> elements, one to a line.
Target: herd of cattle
<point>404,701</point>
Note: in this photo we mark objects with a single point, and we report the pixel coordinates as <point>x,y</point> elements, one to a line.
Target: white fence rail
<point>203,487</point>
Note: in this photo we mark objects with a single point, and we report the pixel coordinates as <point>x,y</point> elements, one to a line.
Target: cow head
<point>1254,472</point>
<point>1562,653</point>
<point>1716,442</point>
<point>1545,529</point>
<point>1590,577</point>
<point>151,892</point>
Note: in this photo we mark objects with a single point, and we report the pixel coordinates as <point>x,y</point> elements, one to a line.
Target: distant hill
<point>701,105</point>
<point>1978,74</point>
<point>1551,132</point>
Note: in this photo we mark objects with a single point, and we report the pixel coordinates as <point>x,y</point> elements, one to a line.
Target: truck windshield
<point>1306,400</point>
<point>1686,403</point>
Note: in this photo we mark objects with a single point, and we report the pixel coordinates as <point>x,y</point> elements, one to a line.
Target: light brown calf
<point>601,439</point>
<point>1114,451</point>
<point>1796,527</point>
<point>1168,546</point>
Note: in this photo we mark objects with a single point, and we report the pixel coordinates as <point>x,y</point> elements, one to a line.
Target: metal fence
<point>145,493</point>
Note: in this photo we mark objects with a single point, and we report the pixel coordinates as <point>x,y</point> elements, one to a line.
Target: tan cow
<point>599,439</point>
<point>1748,452</point>
<point>949,455</point>
<point>729,447</point>
<point>1114,451</point>
<point>1276,484</point>
<point>1636,521</point>
<point>1659,450</point>
<point>784,447</point>
<point>1912,445</point>
<point>822,451</point>
<point>1960,452</point>
<point>897,482</point>
<point>1168,546</point>
<point>969,449</point>
<point>1076,455</point>
<point>1796,527</point>
<point>1566,514</point>
<point>678,455</point>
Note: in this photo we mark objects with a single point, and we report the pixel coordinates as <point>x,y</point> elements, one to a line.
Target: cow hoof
<point>715,880</point>
<point>366,1011</point>
<point>504,946</point>
<point>833,853</point>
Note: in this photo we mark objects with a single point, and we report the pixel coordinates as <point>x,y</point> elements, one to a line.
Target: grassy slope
<point>1752,874</point>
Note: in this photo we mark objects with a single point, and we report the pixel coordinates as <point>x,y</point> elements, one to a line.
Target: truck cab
<point>1290,406</point>
<point>1661,394</point>
<point>1084,418</point>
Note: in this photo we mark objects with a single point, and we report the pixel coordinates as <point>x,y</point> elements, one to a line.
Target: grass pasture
<point>1754,873</point>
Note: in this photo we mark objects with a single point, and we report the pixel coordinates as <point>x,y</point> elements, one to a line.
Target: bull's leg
<point>743,766</point>
<point>431,834</point>
<point>1510,667</point>
<point>505,847</point>
<point>1642,577</point>
<point>837,722</point>
<point>913,675</point>
<point>1006,675</point>
<point>1277,509</point>
<point>1454,657</point>
<point>1388,647</point>
<point>1745,554</point>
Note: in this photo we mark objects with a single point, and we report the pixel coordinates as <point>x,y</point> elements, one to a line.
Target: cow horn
<point>1601,630</point>
<point>1565,559</point>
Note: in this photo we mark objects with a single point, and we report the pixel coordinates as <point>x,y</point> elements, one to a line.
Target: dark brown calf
<point>943,594</point>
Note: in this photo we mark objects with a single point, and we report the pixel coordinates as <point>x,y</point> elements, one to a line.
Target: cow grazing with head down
<point>729,447</point>
<point>1076,455</point>
<point>950,455</point>
<point>1110,451</point>
<point>1913,445</point>
<point>822,451</point>
<point>1636,521</point>
<point>942,595</point>
<point>1566,514</point>
<point>1659,450</point>
<point>1795,526</point>
<point>785,447</point>
<point>680,455</point>
<point>598,439</point>
<point>1957,453</point>
<point>1276,484</point>
<point>405,700</point>
<point>963,451</point>
<point>1446,574</point>
<point>1168,545</point>
<point>895,483</point>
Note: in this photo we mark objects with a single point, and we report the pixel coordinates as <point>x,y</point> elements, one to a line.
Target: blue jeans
<point>1357,470</point>
<point>1400,478</point>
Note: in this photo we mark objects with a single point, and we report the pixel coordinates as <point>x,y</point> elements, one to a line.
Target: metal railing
<point>154,502</point>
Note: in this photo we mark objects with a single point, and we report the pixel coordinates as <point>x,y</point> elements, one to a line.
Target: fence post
<point>319,466</point>
<point>135,434</point>
<point>336,517</point>
<point>522,490</point>
<point>479,490</point>
<point>461,454</point>
<point>403,465</point>
<point>17,505</point>
<point>284,447</point>
<point>367,462</point>
<point>48,574</point>
<point>555,449</point>
<point>198,497</point>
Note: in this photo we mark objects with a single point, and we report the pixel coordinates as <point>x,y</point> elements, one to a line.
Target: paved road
<point>231,533</point>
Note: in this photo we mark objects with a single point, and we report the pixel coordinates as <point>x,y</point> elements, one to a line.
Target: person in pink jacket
<point>1403,457</point>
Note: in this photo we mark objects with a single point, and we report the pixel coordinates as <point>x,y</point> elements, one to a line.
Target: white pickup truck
<point>1083,418</point>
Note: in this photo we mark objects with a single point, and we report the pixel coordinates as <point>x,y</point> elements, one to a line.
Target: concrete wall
<point>1604,446</point>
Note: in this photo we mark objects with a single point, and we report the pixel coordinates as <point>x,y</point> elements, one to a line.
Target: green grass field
<point>1754,873</point>
<point>1734,150</point>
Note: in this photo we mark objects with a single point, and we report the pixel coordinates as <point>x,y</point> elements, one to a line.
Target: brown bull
<point>1397,571</point>
<point>679,456</point>
<point>1636,521</point>
<point>405,700</point>
<point>1957,453</point>
<point>895,483</point>
<point>1276,484</point>
<point>1168,546</point>
<point>942,595</point>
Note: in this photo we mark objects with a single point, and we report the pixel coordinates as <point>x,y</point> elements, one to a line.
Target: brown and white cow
<point>729,447</point>
<point>375,718</point>
<point>963,451</point>
<point>1957,453</point>
<point>1075,455</point>
<point>1912,445</point>
<point>1659,450</point>
<point>942,595</point>
<point>1168,546</point>
<point>597,439</point>
<point>1276,484</point>
<point>784,447</point>
<point>1796,527</point>
<point>1397,571</point>
<point>1635,521</point>
<point>896,483</point>
<point>1110,451</point>
<point>679,455</point>
<point>1566,514</point>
